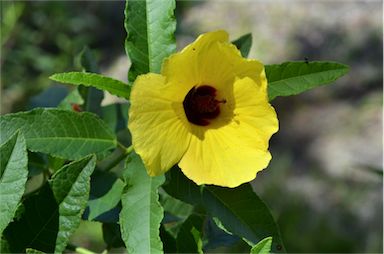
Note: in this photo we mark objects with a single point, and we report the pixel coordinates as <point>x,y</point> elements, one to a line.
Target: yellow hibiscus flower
<point>208,111</point>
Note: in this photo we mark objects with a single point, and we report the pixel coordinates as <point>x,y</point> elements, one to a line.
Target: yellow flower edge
<point>208,111</point>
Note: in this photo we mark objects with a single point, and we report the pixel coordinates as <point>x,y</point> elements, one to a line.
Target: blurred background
<point>325,182</point>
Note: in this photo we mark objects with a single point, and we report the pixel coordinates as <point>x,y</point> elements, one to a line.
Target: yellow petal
<point>253,111</point>
<point>159,134</point>
<point>233,153</point>
<point>183,68</point>
<point>210,60</point>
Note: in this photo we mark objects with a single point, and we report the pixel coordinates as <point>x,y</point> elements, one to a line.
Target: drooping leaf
<point>70,186</point>
<point>142,213</point>
<point>244,44</point>
<point>38,224</point>
<point>150,27</point>
<point>13,176</point>
<point>243,213</point>
<point>61,133</point>
<point>292,78</point>
<point>262,247</point>
<point>98,81</point>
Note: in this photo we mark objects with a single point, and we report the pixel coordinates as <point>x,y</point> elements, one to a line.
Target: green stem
<point>129,149</point>
<point>81,250</point>
<point>118,159</point>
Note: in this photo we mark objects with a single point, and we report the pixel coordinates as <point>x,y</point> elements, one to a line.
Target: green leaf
<point>116,116</point>
<point>33,251</point>
<point>150,27</point>
<point>142,213</point>
<point>92,96</point>
<point>98,81</point>
<point>4,245</point>
<point>244,44</point>
<point>38,224</point>
<point>72,98</point>
<point>180,187</point>
<point>189,237</point>
<point>61,133</point>
<point>112,235</point>
<point>13,176</point>
<point>174,206</point>
<point>169,241</point>
<point>262,247</point>
<point>292,78</point>
<point>70,186</point>
<point>104,198</point>
<point>87,60</point>
<point>106,202</point>
<point>175,214</point>
<point>243,213</point>
<point>11,12</point>
<point>240,210</point>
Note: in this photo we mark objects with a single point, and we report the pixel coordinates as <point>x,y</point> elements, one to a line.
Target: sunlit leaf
<point>142,213</point>
<point>150,27</point>
<point>61,133</point>
<point>292,78</point>
<point>262,247</point>
<point>13,176</point>
<point>33,251</point>
<point>70,186</point>
<point>98,81</point>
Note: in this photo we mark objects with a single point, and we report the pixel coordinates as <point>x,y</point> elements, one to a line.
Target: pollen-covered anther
<point>201,105</point>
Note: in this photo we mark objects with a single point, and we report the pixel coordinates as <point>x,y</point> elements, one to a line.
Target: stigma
<point>201,106</point>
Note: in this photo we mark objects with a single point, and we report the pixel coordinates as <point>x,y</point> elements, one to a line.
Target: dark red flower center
<point>201,105</point>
